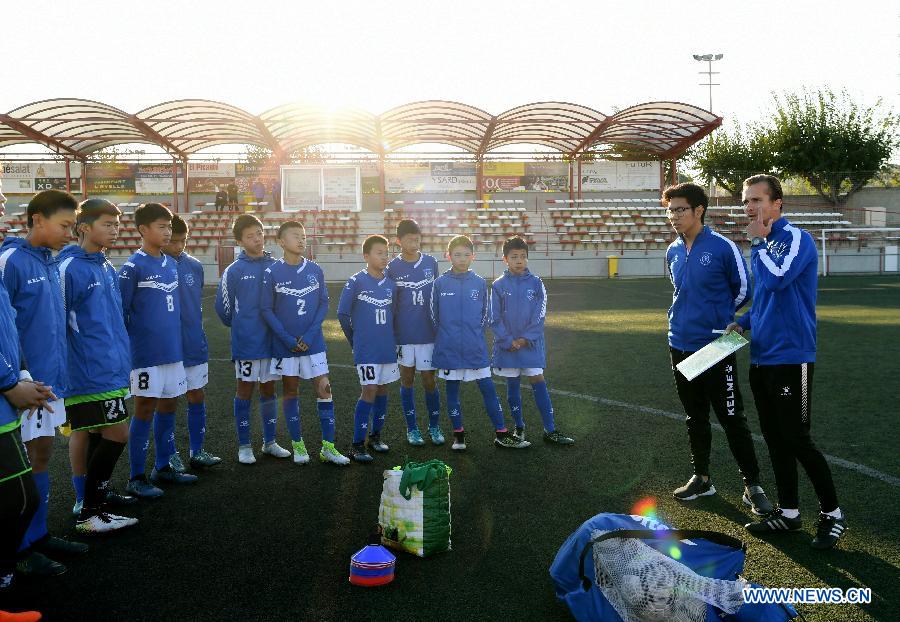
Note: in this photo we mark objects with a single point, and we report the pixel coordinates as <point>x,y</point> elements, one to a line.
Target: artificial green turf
<point>273,541</point>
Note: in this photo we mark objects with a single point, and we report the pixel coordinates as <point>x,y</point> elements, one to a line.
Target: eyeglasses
<point>678,211</point>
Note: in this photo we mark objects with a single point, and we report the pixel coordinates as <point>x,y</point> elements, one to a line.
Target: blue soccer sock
<point>379,413</point>
<point>408,403</point>
<point>453,406</point>
<point>361,420</point>
<point>514,399</point>
<point>542,399</point>
<point>268,410</point>
<point>196,426</point>
<point>138,443</point>
<point>433,403</point>
<point>163,437</point>
<point>326,418</point>
<point>291,408</point>
<point>242,420</point>
<point>78,485</point>
<point>37,528</point>
<point>492,403</point>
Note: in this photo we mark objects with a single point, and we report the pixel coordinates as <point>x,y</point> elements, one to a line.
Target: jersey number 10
<point>381,316</point>
<point>170,302</point>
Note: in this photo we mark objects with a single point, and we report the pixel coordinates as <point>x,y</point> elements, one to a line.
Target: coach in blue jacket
<point>710,280</point>
<point>782,355</point>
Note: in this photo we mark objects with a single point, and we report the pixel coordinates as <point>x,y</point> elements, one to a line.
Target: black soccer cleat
<point>694,489</point>
<point>358,453</point>
<point>776,521</point>
<point>828,531</point>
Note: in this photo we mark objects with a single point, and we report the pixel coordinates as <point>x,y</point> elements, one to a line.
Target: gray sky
<point>495,55</point>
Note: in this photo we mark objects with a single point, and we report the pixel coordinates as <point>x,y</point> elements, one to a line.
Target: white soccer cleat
<point>245,455</point>
<point>274,449</point>
<point>330,454</point>
<point>301,456</point>
<point>104,523</point>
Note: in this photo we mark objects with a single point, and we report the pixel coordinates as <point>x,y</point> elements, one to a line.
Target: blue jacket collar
<point>779,224</point>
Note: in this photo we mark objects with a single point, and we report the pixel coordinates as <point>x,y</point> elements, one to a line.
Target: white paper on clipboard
<point>709,355</point>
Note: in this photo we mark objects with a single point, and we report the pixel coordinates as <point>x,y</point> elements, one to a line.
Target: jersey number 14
<point>418,298</point>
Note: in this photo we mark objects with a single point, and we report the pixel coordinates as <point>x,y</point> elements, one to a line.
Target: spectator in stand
<point>259,193</point>
<point>232,190</point>
<point>276,194</point>
<point>221,199</point>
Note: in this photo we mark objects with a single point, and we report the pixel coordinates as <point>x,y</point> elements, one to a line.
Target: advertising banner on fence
<point>29,177</point>
<point>620,176</point>
<point>525,177</point>
<point>429,177</point>
<point>342,187</point>
<point>206,176</point>
<point>110,178</point>
<point>156,179</point>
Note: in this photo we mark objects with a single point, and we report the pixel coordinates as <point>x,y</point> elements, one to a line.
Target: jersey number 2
<point>301,306</point>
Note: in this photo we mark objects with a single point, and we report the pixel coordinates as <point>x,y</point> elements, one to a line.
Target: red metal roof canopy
<point>76,128</point>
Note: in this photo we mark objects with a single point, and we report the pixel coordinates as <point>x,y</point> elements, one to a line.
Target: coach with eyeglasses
<point>710,280</point>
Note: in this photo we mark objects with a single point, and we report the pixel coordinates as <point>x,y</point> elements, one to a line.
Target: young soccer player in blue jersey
<point>518,309</point>
<point>30,274</point>
<point>366,314</point>
<point>99,358</point>
<point>18,493</point>
<point>195,347</point>
<point>238,306</point>
<point>459,310</point>
<point>152,310</point>
<point>414,272</point>
<point>294,304</point>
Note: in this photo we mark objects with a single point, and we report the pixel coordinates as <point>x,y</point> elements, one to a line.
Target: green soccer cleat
<point>203,459</point>
<point>509,441</point>
<point>301,456</point>
<point>176,463</point>
<point>330,454</point>
<point>414,437</point>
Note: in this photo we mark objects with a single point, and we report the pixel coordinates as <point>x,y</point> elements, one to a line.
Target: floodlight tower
<point>708,58</point>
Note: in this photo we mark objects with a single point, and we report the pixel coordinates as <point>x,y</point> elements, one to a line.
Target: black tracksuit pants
<point>783,397</point>
<point>18,498</point>
<point>717,387</point>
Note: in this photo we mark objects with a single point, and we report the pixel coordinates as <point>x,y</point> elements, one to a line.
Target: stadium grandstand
<point>585,189</point>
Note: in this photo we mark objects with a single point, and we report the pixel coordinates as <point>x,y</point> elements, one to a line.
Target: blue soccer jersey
<point>152,310</point>
<point>366,313</point>
<point>238,306</point>
<point>294,304</point>
<point>190,296</point>
<point>414,281</point>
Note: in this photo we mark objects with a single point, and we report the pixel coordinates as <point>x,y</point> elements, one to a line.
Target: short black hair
<point>515,243</point>
<point>179,226</point>
<point>290,224</point>
<point>92,209</point>
<point>692,193</point>
<point>774,184</point>
<point>244,221</point>
<point>151,212</point>
<point>460,240</point>
<point>407,226</point>
<point>371,241</point>
<point>48,202</point>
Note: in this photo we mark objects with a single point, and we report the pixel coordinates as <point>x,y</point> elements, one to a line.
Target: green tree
<point>262,156</point>
<point>834,143</point>
<point>729,156</point>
